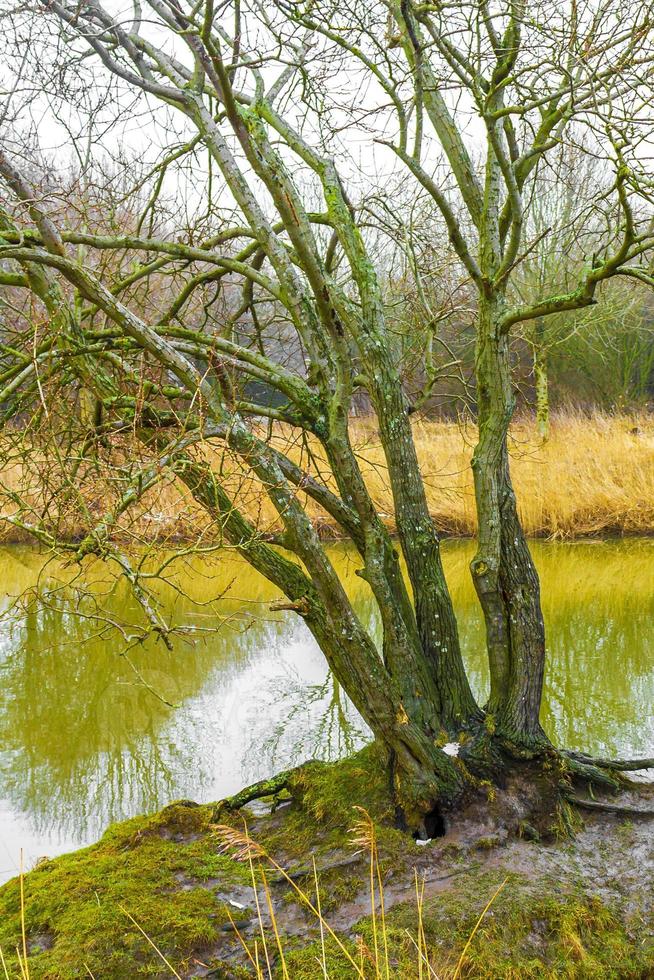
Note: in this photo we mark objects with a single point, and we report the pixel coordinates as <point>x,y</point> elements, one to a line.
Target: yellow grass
<point>594,476</point>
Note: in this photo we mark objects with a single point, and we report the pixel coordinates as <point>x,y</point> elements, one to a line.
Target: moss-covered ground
<point>156,896</point>
<point>524,936</point>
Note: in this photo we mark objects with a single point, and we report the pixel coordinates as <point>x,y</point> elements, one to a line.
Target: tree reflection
<point>318,722</point>
<point>83,740</point>
<point>598,604</point>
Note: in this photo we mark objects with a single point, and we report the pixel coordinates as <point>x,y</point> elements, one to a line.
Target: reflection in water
<point>598,603</point>
<point>84,739</point>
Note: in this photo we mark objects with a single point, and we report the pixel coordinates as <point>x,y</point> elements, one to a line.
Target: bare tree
<point>521,76</point>
<point>565,225</point>
<point>261,94</point>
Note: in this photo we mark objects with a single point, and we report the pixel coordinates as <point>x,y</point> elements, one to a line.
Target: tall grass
<point>378,961</point>
<point>593,476</point>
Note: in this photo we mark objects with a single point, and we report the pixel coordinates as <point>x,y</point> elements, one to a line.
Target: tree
<point>527,73</point>
<point>281,232</point>
<point>429,305</point>
<point>565,226</point>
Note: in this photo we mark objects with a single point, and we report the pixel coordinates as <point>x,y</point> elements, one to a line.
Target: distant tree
<point>604,356</point>
<point>523,78</point>
<point>430,306</point>
<point>566,226</point>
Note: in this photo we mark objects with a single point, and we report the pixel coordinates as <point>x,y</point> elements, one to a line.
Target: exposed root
<point>564,771</point>
<point>569,822</point>
<point>488,764</point>
<point>618,765</point>
<point>591,774</point>
<point>619,808</point>
<point>260,790</point>
<point>489,757</point>
<point>537,749</point>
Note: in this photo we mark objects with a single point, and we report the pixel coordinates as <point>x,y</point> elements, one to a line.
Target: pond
<point>95,727</point>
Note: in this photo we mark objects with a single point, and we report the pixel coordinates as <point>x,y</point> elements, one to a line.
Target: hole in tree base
<point>432,826</point>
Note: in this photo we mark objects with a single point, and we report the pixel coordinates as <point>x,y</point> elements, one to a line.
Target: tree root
<point>537,749</point>
<point>579,766</point>
<point>486,758</point>
<point>591,773</point>
<point>260,790</point>
<point>599,805</point>
<point>618,765</point>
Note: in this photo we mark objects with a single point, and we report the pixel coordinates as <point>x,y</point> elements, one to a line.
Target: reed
<point>362,962</point>
<point>592,477</point>
<point>268,952</point>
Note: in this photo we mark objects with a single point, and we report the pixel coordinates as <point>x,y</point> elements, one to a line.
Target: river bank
<point>592,477</point>
<point>81,739</point>
<point>171,895</point>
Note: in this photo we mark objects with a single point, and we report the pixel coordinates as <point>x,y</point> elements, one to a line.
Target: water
<point>95,727</point>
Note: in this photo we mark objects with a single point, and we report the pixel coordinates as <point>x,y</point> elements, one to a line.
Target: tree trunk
<point>423,773</point>
<point>541,382</point>
<point>420,543</point>
<point>503,570</point>
<point>403,653</point>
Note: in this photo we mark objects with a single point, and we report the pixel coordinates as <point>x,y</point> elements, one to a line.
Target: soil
<point>606,857</point>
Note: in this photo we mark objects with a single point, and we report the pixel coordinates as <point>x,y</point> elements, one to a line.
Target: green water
<point>89,735</point>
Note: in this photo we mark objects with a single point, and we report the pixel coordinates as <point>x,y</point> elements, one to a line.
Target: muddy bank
<point>570,906</point>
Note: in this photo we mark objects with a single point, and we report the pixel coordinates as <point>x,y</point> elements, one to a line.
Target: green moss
<point>305,963</point>
<point>328,792</point>
<point>78,904</point>
<point>524,936</point>
<point>337,888</point>
<point>166,872</point>
<point>568,821</point>
<point>488,843</point>
<point>558,934</point>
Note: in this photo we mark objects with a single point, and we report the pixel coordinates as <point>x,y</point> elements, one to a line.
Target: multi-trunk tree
<point>138,320</point>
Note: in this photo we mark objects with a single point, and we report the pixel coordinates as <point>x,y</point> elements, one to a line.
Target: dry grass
<point>378,955</point>
<point>594,476</point>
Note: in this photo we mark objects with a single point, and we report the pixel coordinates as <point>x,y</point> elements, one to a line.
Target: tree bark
<point>400,714</point>
<point>423,773</point>
<point>420,543</point>
<point>503,571</point>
